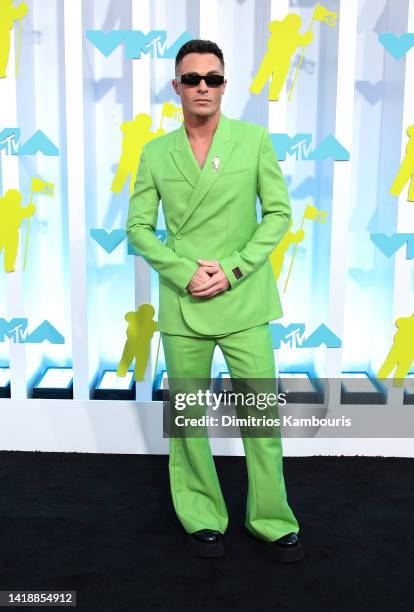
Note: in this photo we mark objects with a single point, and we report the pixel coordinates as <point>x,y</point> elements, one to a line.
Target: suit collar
<point>222,133</point>
<point>183,154</point>
<point>201,179</point>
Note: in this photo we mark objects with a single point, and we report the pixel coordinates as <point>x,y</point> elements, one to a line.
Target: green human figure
<point>406,171</point>
<point>140,330</point>
<point>284,40</point>
<point>11,217</point>
<point>8,15</point>
<point>136,134</point>
<point>278,254</point>
<point>401,354</point>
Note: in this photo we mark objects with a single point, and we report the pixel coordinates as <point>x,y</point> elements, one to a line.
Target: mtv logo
<point>300,146</point>
<point>398,46</point>
<point>8,140</point>
<point>391,244</point>
<point>16,330</point>
<point>108,240</point>
<point>37,143</point>
<point>293,335</point>
<point>136,42</point>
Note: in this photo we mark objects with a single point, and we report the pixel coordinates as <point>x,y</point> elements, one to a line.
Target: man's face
<point>200,100</point>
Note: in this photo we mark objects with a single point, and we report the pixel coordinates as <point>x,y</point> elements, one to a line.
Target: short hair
<point>198,45</point>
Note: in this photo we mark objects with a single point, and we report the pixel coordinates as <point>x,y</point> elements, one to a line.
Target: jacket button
<point>178,236</point>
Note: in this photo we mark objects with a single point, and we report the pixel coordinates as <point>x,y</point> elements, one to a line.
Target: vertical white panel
<point>341,193</point>
<point>209,16</point>
<point>142,104</point>
<point>405,218</point>
<point>360,332</point>
<point>277,110</point>
<point>45,299</point>
<point>402,294</point>
<point>15,280</point>
<point>277,116</point>
<point>76,195</point>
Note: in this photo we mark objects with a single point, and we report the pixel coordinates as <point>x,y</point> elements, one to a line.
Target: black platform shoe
<point>205,543</point>
<point>287,548</point>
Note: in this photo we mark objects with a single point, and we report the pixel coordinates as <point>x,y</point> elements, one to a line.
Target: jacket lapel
<point>184,157</point>
<point>201,179</point>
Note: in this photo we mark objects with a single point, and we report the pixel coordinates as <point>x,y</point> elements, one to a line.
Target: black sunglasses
<point>192,78</point>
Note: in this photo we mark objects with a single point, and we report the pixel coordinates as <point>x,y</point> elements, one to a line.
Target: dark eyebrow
<point>209,72</point>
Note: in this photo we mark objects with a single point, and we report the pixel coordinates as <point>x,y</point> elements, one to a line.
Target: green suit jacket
<point>210,213</point>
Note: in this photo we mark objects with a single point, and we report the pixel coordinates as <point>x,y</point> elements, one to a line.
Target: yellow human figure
<point>406,171</point>
<point>136,134</point>
<point>8,15</point>
<point>401,353</point>
<point>278,254</point>
<point>284,40</point>
<point>11,217</point>
<point>140,330</point>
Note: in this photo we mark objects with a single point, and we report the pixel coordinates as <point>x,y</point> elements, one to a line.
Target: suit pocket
<point>235,171</point>
<point>175,179</point>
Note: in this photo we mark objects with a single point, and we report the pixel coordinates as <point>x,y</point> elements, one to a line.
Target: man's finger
<point>210,269</point>
<point>216,293</point>
<point>202,292</point>
<point>208,263</point>
<point>207,284</point>
<point>204,288</point>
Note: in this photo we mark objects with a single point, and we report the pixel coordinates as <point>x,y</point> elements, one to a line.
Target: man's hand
<point>209,280</point>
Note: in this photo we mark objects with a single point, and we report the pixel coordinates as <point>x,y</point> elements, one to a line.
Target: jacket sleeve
<point>275,222</point>
<point>141,225</point>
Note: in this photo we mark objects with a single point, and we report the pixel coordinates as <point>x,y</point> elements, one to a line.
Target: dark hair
<point>199,46</point>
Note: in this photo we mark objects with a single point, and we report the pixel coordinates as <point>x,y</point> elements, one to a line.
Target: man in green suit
<point>216,287</point>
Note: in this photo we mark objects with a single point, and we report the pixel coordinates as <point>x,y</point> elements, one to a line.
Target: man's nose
<point>202,86</point>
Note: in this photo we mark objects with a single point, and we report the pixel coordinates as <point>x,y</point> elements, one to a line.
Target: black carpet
<point>104,525</point>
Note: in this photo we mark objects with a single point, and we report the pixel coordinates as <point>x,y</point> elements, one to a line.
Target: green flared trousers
<point>195,487</point>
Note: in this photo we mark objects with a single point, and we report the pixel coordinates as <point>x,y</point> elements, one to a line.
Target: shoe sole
<point>283,554</point>
<point>205,549</point>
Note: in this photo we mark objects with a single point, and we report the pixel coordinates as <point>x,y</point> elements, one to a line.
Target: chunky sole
<point>283,554</point>
<point>205,549</point>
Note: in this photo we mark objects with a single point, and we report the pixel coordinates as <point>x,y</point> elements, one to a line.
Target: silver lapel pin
<point>215,163</point>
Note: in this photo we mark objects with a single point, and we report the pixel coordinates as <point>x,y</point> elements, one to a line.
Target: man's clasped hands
<point>208,280</point>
